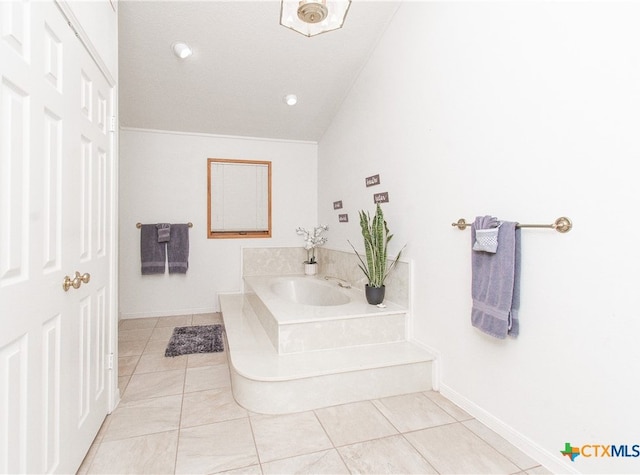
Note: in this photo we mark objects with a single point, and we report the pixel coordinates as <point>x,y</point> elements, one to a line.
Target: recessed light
<point>290,99</point>
<point>182,50</point>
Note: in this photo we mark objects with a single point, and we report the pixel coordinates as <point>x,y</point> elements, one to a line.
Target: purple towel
<point>152,253</point>
<point>495,283</point>
<point>178,249</point>
<point>164,232</point>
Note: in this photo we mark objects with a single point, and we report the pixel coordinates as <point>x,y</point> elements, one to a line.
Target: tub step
<point>271,383</point>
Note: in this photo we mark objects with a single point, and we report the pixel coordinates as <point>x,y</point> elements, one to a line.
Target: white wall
<point>163,178</point>
<point>527,111</point>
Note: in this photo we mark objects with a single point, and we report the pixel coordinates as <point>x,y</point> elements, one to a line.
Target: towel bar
<point>562,225</point>
<point>139,225</point>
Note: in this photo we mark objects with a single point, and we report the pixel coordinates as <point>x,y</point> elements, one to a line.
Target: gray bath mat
<point>197,339</point>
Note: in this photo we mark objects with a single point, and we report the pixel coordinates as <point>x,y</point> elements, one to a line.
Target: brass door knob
<point>76,282</point>
<point>66,283</point>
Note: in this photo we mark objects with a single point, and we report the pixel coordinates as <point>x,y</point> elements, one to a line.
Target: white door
<point>55,219</point>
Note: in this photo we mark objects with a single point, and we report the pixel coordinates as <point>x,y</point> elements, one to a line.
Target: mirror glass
<point>238,198</point>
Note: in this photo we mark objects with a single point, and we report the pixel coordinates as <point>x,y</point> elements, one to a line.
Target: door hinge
<point>112,124</point>
<point>110,361</point>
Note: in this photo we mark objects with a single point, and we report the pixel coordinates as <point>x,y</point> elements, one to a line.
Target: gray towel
<point>164,232</point>
<point>495,286</point>
<point>152,253</point>
<point>178,249</point>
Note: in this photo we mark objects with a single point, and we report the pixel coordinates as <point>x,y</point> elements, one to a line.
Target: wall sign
<point>381,197</point>
<point>337,204</point>
<point>343,218</point>
<point>372,180</point>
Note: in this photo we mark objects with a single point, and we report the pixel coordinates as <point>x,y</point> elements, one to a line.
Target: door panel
<point>55,210</point>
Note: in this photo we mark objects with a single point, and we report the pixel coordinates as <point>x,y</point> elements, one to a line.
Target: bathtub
<point>305,313</point>
<point>313,292</point>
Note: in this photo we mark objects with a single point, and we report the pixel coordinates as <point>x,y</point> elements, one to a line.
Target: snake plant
<point>375,233</point>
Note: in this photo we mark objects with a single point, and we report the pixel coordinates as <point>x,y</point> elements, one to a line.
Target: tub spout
<point>341,282</point>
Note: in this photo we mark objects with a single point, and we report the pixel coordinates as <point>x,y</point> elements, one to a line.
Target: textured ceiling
<point>243,64</point>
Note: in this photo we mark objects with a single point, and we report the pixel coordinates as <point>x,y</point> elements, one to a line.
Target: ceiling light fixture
<point>290,99</point>
<point>312,17</point>
<point>182,50</point>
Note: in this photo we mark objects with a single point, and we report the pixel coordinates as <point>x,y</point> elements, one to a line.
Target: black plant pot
<point>375,295</point>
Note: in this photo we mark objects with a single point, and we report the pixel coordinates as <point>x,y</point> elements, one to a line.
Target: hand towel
<point>164,232</point>
<point>178,249</point>
<point>495,284</point>
<point>152,253</point>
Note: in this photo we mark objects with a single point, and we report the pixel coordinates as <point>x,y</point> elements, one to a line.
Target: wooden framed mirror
<point>238,198</point>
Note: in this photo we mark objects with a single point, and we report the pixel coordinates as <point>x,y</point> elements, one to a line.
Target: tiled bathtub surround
<point>273,260</point>
<point>343,265</point>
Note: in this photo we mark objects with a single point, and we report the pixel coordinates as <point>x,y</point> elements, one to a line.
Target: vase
<point>375,295</point>
<point>311,269</point>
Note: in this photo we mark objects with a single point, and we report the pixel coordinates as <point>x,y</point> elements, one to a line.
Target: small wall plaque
<point>372,180</point>
<point>337,204</point>
<point>381,197</point>
<point>343,218</point>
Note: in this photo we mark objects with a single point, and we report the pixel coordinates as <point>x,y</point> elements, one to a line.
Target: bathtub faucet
<point>342,283</point>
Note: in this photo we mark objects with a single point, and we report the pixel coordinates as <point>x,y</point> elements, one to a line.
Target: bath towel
<point>152,253</point>
<point>495,283</point>
<point>164,232</point>
<point>178,249</point>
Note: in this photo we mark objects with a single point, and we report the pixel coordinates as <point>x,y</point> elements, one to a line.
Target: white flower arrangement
<point>313,240</point>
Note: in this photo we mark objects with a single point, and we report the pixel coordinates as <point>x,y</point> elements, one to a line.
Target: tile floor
<point>178,415</point>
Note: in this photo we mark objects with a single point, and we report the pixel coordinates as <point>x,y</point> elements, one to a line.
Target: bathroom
<point>527,112</point>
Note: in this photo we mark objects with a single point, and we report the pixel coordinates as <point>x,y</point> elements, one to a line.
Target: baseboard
<point>526,445</point>
<point>167,313</point>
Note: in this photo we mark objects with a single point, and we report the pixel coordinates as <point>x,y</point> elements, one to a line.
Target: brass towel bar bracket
<point>562,225</point>
<point>139,225</point>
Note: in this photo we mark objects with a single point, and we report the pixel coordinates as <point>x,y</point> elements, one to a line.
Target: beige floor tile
<point>156,347</point>
<point>538,470</point>
<point>325,462</point>
<point>148,454</point>
<point>412,412</point>
<point>357,422</point>
<point>123,382</point>
<point>153,362</point>
<point>216,447</point>
<point>162,333</point>
<point>207,359</point>
<point>135,323</point>
<point>455,449</point>
<point>203,378</point>
<point>131,348</point>
<point>145,416</point>
<point>207,407</point>
<point>449,407</point>
<point>127,364</point>
<point>288,435</point>
<point>134,335</point>
<point>506,448</point>
<point>252,470</point>
<point>174,321</point>
<point>207,318</point>
<point>148,385</point>
<point>393,455</point>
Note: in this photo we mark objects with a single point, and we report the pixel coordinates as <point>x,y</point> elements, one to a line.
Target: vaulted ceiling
<point>243,64</point>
